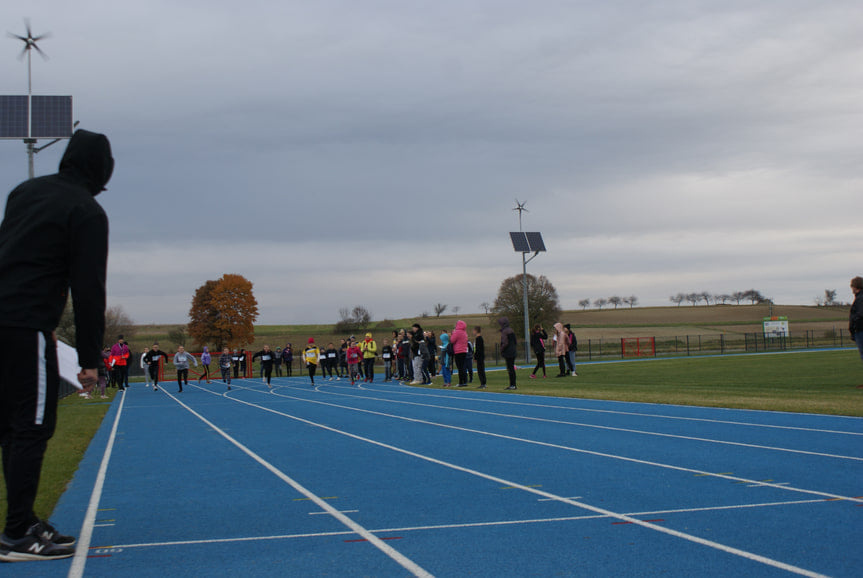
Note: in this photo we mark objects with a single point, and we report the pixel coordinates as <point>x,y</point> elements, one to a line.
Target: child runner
<point>152,358</point>
<point>387,356</point>
<point>266,363</point>
<point>103,372</point>
<point>145,367</point>
<point>343,359</point>
<point>479,355</point>
<point>181,362</point>
<point>332,361</point>
<point>225,363</point>
<point>311,355</point>
<point>353,354</point>
<point>205,363</point>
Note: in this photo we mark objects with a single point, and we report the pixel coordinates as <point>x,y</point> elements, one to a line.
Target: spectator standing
<point>53,239</point>
<point>561,346</point>
<point>855,317</point>
<point>446,355</point>
<point>537,342</point>
<point>572,347</point>
<point>479,355</point>
<point>277,361</point>
<point>235,359</point>
<point>387,356</point>
<point>370,353</point>
<point>508,349</point>
<point>288,359</point>
<point>459,341</point>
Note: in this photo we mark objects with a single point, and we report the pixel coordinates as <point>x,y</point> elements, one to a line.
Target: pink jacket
<point>458,337</point>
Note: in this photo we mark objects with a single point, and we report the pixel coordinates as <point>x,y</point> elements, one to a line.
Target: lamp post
<point>525,243</point>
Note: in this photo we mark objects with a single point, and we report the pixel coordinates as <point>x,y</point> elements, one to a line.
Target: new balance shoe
<point>32,547</point>
<point>44,529</point>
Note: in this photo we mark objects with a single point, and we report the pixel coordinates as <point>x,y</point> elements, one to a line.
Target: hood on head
<point>460,325</point>
<point>88,158</point>
<point>311,339</point>
<point>368,335</point>
<point>558,327</point>
<point>205,349</point>
<point>444,339</point>
<point>503,322</point>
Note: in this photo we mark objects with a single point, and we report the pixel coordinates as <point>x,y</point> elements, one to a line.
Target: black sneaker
<point>44,529</point>
<point>32,547</point>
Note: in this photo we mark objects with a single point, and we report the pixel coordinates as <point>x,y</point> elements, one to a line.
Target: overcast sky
<point>344,152</point>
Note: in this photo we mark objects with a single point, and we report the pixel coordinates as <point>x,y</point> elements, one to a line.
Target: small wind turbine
<point>519,206</point>
<point>29,45</point>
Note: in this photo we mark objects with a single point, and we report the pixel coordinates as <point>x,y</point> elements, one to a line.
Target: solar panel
<point>534,240</point>
<point>13,116</point>
<point>519,242</point>
<point>52,117</point>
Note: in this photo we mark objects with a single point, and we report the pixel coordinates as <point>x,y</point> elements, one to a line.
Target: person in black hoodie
<point>855,317</point>
<point>508,349</point>
<point>53,239</point>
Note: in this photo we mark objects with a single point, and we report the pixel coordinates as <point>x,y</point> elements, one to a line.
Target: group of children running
<point>412,356</point>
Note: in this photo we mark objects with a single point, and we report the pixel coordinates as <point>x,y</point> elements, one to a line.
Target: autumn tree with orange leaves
<point>224,312</point>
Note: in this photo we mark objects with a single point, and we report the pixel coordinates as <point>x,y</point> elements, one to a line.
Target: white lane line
<point>485,398</point>
<point>394,554</point>
<point>608,428</point>
<point>566,448</point>
<point>551,500</point>
<point>596,509</point>
<point>83,547</point>
<point>327,513</point>
<point>456,526</point>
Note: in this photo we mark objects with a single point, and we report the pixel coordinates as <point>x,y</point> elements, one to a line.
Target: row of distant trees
<point>614,300</point>
<point>753,296</point>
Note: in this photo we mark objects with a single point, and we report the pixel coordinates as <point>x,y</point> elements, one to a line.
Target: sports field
<point>388,480</point>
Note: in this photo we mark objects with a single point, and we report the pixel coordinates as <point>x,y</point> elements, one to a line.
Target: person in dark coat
<point>508,349</point>
<point>855,318</point>
<point>53,239</point>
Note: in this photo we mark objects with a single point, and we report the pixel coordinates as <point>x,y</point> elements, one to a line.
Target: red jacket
<point>458,338</point>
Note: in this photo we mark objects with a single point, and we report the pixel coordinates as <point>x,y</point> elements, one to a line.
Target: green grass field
<point>810,382</point>
<point>78,420</point>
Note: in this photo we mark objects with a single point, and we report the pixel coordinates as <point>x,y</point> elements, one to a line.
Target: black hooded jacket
<point>508,342</point>
<point>53,238</point>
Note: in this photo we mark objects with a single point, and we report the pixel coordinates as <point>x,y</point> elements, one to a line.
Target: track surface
<point>387,480</point>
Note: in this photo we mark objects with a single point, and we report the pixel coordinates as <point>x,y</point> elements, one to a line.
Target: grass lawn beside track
<point>78,420</point>
<point>808,382</point>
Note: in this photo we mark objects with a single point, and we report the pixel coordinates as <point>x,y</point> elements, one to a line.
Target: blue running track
<point>388,480</point>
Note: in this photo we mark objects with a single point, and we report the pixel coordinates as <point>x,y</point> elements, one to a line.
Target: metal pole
<point>526,316</point>
<point>31,153</point>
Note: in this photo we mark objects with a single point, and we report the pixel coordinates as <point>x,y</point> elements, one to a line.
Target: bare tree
<point>722,298</point>
<point>439,308</point>
<point>355,319</point>
<point>706,297</point>
<point>456,309</point>
<point>738,296</point>
<point>485,306</point>
<point>584,304</point>
<point>632,301</point>
<point>677,299</point>
<point>615,300</point>
<point>693,298</point>
<point>754,296</point>
<point>600,303</point>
